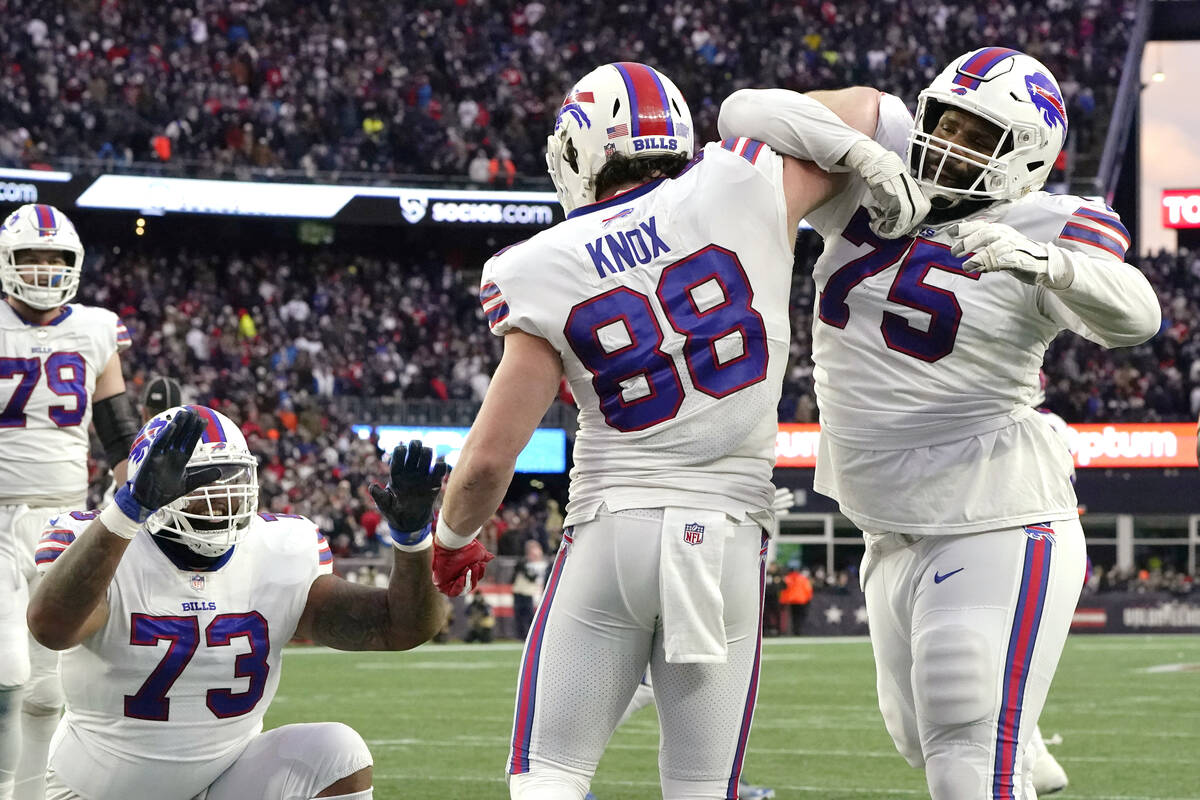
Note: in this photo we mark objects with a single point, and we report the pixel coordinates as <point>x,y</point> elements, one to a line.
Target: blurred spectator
<point>481,623</point>
<point>796,595</point>
<point>772,608</point>
<point>527,586</point>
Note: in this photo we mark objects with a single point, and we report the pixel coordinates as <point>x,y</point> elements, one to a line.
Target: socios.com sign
<point>546,451</point>
<point>400,204</point>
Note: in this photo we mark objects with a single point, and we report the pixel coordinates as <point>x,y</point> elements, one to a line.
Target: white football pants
<point>598,627</point>
<point>967,632</point>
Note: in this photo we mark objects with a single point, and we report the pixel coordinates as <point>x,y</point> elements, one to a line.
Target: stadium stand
<point>464,89</point>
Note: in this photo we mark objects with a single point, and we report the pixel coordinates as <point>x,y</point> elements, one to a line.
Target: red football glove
<point>456,571</point>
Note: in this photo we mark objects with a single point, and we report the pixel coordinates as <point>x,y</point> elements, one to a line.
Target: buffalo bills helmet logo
<point>1046,98</point>
<point>571,106</point>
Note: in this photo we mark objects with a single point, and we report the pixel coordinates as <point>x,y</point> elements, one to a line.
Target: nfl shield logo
<point>693,533</point>
<point>198,583</point>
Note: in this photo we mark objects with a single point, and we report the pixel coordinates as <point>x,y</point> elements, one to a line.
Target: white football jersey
<point>925,373</point>
<point>47,376</point>
<point>167,694</point>
<point>669,306</point>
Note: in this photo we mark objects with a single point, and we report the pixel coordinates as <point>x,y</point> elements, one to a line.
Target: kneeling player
<point>181,598</point>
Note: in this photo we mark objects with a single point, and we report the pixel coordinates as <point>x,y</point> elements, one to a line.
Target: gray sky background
<point>1170,135</point>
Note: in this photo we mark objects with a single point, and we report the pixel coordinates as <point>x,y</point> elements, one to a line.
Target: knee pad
<point>544,782</point>
<point>44,696</point>
<point>331,750</point>
<point>954,670</point>
<point>14,633</point>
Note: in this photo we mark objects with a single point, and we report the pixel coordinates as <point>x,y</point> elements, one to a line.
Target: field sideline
<point>437,720</point>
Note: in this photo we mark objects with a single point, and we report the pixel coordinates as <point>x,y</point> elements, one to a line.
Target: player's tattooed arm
<point>71,601</point>
<point>349,616</point>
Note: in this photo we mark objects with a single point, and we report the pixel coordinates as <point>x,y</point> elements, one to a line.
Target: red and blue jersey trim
<point>123,338</point>
<point>748,149</point>
<point>739,753</point>
<point>972,73</point>
<point>1027,620</point>
<point>324,554</point>
<point>518,762</point>
<point>495,307</point>
<point>52,545</point>
<point>649,108</point>
<point>617,199</point>
<point>1097,229</point>
<point>1110,221</point>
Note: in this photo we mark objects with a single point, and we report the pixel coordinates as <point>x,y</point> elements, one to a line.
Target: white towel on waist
<point>689,581</point>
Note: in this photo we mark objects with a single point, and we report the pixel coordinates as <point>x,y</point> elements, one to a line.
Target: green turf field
<point>437,720</point>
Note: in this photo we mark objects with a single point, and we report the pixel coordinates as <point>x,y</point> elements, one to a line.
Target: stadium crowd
<point>468,88</point>
<point>279,339</point>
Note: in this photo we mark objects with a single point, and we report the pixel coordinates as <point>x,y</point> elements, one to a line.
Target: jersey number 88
<point>707,298</point>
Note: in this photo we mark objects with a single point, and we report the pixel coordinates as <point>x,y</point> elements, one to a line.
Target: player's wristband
<point>124,516</point>
<point>450,540</point>
<point>412,541</point>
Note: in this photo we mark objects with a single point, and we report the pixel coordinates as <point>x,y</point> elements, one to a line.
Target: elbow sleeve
<point>117,425</point>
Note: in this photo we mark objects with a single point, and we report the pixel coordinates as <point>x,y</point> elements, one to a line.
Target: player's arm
<point>70,603</point>
<point>349,616</point>
<point>521,391</point>
<point>818,126</point>
<point>805,188</point>
<point>114,417</point>
<point>1088,289</point>
<point>835,130</point>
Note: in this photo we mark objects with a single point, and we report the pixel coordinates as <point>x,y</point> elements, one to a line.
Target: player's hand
<point>414,482</point>
<point>163,476</point>
<point>458,571</point>
<point>783,501</point>
<point>898,204</point>
<point>994,246</point>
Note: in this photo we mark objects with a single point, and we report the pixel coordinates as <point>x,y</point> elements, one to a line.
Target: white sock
<point>37,729</point>
<point>10,738</point>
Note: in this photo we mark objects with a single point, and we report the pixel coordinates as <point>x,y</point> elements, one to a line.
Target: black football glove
<point>164,477</point>
<point>407,502</point>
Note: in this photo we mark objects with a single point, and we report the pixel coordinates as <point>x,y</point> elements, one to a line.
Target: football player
<point>663,298</point>
<point>182,596</point>
<point>59,371</point>
<point>927,349</point>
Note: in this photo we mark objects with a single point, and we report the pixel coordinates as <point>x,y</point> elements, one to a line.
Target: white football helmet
<point>626,108</point>
<point>226,506</point>
<point>40,286</point>
<point>1012,91</point>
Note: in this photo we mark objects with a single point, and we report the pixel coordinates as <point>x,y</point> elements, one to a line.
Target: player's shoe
<point>748,792</point>
<point>1048,775</point>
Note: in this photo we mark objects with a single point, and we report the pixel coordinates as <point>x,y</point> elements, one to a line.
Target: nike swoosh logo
<point>939,578</point>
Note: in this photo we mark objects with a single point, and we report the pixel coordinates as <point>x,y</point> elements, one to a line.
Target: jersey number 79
<point>707,298</point>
